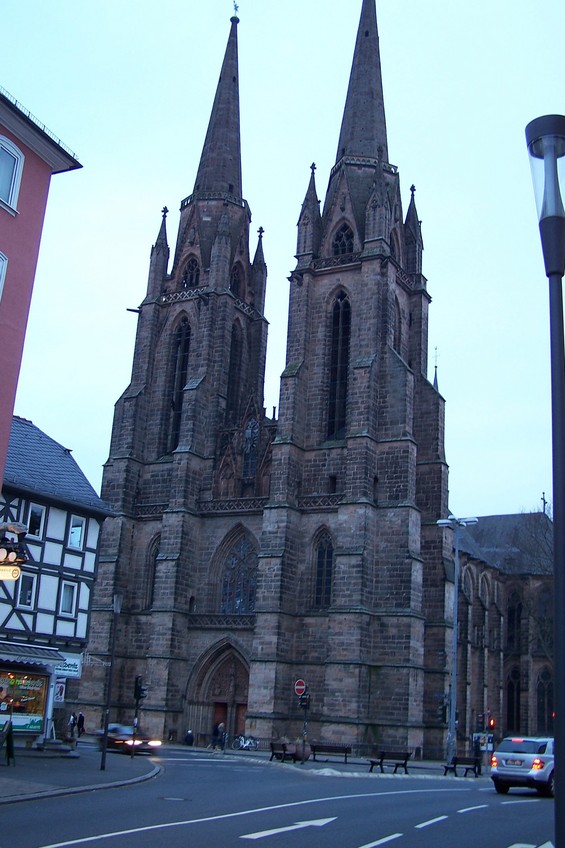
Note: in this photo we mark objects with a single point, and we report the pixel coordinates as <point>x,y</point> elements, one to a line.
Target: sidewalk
<point>43,774</point>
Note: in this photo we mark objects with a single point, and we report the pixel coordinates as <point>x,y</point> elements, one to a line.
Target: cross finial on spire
<point>413,190</point>
<point>235,7</point>
<point>260,231</point>
<point>313,167</point>
<point>164,210</point>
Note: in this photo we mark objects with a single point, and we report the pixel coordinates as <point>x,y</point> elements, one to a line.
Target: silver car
<point>524,761</point>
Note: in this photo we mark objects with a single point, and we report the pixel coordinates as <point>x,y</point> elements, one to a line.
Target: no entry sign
<point>300,687</point>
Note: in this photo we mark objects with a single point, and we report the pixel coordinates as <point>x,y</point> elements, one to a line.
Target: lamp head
<point>545,138</point>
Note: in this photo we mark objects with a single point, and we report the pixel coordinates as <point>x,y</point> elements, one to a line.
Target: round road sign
<point>300,687</point>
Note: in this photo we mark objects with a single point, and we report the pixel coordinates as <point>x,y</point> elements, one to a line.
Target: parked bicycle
<point>245,743</point>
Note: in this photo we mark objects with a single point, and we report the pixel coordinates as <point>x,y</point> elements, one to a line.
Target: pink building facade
<point>29,155</point>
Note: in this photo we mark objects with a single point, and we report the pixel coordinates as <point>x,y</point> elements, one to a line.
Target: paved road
<point>218,800</point>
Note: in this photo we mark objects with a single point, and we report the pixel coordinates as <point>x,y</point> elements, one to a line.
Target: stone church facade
<point>251,551</point>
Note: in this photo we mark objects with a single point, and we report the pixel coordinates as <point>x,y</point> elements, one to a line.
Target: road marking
<point>382,841</point>
<point>471,809</point>
<point>522,845</point>
<point>253,811</point>
<point>429,822</point>
<point>297,826</point>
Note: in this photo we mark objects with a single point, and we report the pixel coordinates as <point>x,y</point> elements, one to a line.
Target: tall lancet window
<point>191,274</point>
<point>239,581</point>
<point>323,571</point>
<point>179,369</point>
<point>339,366</point>
<point>234,374</point>
<point>235,281</point>
<point>250,446</point>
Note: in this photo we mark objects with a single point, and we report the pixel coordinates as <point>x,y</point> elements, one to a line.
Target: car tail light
<point>538,764</point>
<point>494,761</point>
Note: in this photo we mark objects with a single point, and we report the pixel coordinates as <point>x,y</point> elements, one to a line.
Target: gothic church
<point>250,551</point>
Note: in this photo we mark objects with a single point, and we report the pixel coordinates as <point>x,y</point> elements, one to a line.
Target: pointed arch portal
<point>217,692</point>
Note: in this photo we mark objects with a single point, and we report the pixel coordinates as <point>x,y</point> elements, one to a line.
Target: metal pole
<point>452,727</point>
<point>558,437</point>
<point>104,746</point>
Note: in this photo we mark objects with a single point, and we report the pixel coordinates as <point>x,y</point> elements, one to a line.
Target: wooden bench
<point>279,750</point>
<point>398,759</point>
<point>329,748</point>
<point>468,763</point>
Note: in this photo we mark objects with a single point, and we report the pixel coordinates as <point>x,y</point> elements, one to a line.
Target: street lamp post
<point>117,608</point>
<point>545,138</point>
<point>455,524</point>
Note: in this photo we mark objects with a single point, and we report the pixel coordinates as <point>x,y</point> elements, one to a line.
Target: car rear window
<point>523,746</point>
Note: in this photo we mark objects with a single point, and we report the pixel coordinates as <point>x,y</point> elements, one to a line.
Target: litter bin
<point>189,738</point>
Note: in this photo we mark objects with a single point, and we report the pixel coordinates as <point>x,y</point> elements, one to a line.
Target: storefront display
<point>22,699</point>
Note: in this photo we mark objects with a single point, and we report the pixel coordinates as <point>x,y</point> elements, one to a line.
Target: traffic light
<point>442,713</point>
<point>304,701</point>
<point>481,721</point>
<point>491,723</point>
<point>140,691</point>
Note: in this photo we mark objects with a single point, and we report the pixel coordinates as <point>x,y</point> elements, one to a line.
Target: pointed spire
<point>159,260</point>
<point>219,171</point>
<point>363,129</point>
<point>413,237</point>
<point>309,222</point>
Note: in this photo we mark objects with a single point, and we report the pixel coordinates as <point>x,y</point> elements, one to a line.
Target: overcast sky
<point>128,85</point>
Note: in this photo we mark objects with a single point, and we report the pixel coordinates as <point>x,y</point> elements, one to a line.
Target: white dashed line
<point>429,822</point>
<point>382,841</point>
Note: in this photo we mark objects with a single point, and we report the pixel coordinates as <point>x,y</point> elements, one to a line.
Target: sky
<point>128,85</point>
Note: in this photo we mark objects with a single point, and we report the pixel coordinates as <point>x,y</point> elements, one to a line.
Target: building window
<point>35,520</point>
<point>151,573</point>
<point>76,532</point>
<point>68,599</point>
<point>343,241</point>
<point>239,582</point>
<point>323,572</point>
<point>3,269</point>
<point>514,624</point>
<point>545,703</point>
<point>235,281</point>
<point>11,166</point>
<point>26,592</point>
<point>339,366</point>
<point>181,349</point>
<point>513,701</point>
<point>191,274</point>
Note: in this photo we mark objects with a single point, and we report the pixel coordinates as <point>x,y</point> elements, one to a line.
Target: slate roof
<point>514,544</point>
<point>40,466</point>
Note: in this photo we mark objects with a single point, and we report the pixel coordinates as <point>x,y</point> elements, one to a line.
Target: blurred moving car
<point>120,738</point>
<point>524,761</point>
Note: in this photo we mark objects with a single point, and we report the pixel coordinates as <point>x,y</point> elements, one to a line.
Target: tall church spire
<point>363,130</point>
<point>219,171</point>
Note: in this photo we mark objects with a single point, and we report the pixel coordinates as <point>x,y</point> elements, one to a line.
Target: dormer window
<point>343,241</point>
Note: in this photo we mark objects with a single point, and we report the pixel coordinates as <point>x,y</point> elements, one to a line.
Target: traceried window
<point>152,558</point>
<point>343,241</point>
<point>179,369</point>
<point>234,374</point>
<point>339,366</point>
<point>323,571</point>
<point>235,281</point>
<point>191,274</point>
<point>239,580</point>
<point>513,701</point>
<point>11,166</point>
<point>544,693</point>
<point>250,447</point>
<point>514,624</point>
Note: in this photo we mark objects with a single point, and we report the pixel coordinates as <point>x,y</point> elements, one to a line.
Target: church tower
<point>358,470</point>
<point>251,552</point>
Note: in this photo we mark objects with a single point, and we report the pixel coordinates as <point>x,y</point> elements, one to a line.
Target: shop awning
<point>29,654</point>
